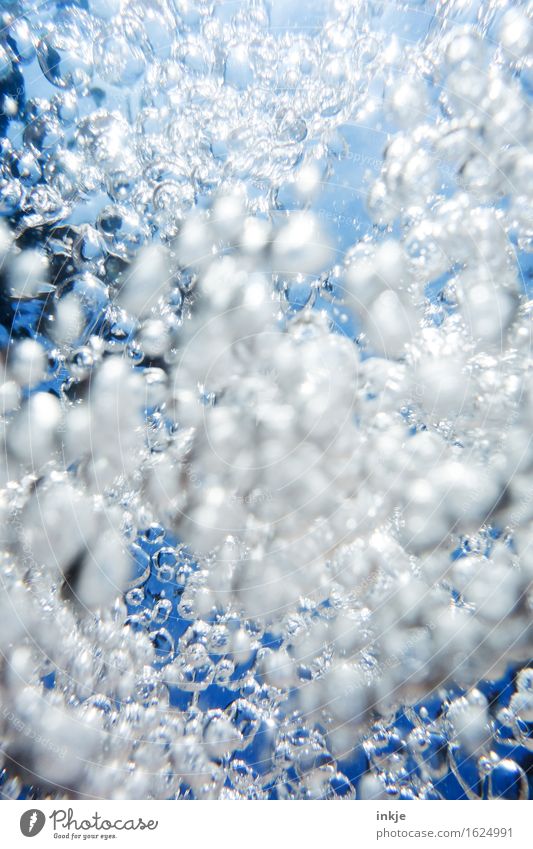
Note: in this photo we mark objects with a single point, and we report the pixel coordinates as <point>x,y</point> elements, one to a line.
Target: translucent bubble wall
<point>266,400</point>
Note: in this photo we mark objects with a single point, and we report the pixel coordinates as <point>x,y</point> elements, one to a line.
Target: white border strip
<point>359,824</point>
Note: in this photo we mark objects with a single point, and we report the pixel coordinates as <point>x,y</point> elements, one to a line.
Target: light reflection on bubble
<point>266,405</point>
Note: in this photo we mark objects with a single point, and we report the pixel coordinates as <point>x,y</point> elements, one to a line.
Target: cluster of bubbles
<point>266,399</point>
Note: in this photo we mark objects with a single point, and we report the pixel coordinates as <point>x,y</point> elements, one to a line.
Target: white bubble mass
<point>266,402</point>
